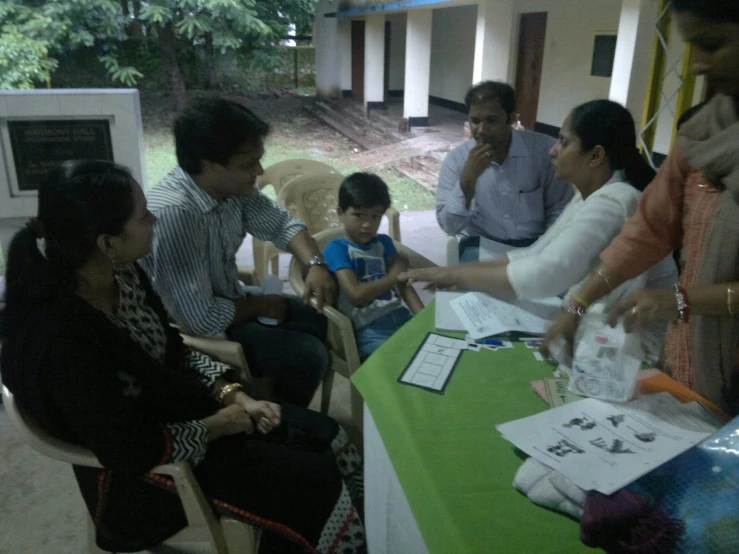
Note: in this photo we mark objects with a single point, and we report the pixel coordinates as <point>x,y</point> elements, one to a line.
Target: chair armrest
<point>295,276</point>
<point>197,508</point>
<point>341,337</point>
<point>393,223</point>
<point>226,351</point>
<point>247,275</point>
<point>452,250</point>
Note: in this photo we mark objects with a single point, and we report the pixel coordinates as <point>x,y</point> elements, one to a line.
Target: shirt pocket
<point>530,209</point>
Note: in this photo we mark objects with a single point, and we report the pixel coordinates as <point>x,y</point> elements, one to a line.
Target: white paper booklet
<point>601,446</point>
<point>484,316</point>
<point>446,317</point>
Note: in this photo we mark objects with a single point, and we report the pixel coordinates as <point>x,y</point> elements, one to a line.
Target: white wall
<point>328,60</point>
<point>397,51</point>
<point>452,52</point>
<point>568,53</point>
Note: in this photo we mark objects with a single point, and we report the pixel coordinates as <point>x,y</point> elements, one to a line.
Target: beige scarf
<point>710,141</point>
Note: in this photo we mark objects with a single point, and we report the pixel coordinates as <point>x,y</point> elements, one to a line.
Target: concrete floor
<point>41,510</point>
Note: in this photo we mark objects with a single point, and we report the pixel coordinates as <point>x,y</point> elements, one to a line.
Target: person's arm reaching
<point>570,256</point>
<point>648,237</point>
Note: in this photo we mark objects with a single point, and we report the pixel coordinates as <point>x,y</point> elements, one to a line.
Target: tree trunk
<point>176,82</point>
<point>211,74</point>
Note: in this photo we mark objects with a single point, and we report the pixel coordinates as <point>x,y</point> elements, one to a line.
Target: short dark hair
<point>214,129</point>
<point>610,125</point>
<point>717,10</point>
<point>363,190</point>
<point>487,90</point>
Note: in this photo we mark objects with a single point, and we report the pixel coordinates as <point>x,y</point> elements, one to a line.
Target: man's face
<point>238,176</point>
<point>490,124</point>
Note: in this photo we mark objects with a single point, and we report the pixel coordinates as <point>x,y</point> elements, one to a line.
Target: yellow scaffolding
<point>653,106</point>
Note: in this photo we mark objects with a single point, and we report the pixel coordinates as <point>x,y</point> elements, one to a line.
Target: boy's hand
<point>400,264</point>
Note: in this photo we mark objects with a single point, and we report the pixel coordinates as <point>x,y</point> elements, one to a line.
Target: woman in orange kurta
<point>693,203</point>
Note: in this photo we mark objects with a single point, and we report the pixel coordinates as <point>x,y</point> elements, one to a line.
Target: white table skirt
<point>390,525</point>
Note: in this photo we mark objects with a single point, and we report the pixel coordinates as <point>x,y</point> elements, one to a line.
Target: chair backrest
<point>281,173</point>
<point>314,199</point>
<point>38,439</point>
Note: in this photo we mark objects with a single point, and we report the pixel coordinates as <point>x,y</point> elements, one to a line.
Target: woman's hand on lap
<point>230,420</point>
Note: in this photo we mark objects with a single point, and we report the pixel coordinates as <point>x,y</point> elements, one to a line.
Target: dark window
<point>603,53</point>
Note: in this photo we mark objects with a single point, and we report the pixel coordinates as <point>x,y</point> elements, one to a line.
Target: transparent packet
<point>606,361</point>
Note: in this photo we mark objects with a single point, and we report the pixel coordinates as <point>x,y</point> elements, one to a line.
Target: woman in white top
<point>596,151</point>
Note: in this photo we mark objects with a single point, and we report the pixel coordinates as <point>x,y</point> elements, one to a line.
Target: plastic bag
<point>606,361</point>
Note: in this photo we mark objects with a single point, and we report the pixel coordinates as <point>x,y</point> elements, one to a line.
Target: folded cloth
<point>546,487</point>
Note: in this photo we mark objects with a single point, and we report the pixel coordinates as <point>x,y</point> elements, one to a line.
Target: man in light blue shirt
<point>500,184</point>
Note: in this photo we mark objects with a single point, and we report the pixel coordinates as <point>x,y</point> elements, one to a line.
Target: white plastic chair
<point>227,536</point>
<point>341,341</point>
<point>313,199</point>
<point>278,175</point>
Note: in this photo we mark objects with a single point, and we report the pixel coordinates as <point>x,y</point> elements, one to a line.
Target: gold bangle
<point>227,389</point>
<point>729,294</point>
<point>599,272</point>
<point>579,299</point>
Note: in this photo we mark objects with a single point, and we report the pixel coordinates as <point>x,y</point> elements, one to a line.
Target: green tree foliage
<point>33,32</point>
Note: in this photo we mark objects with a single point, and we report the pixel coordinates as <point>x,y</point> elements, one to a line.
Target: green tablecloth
<point>455,468</point>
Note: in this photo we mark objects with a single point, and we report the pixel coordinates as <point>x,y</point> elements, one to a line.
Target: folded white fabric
<point>546,487</point>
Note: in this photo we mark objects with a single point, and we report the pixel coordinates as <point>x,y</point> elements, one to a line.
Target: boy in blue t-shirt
<point>367,265</point>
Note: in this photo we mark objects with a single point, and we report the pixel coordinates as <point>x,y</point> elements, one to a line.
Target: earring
<point>113,262</point>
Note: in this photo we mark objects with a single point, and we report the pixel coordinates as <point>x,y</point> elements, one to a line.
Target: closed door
<point>531,39</point>
<point>358,59</point>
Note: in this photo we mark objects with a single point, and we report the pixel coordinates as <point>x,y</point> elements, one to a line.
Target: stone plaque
<point>40,145</point>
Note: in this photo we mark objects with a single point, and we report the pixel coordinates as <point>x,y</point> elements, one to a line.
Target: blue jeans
<point>293,353</point>
<point>373,336</point>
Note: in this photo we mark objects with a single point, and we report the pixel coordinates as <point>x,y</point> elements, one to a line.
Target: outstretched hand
<point>434,277</point>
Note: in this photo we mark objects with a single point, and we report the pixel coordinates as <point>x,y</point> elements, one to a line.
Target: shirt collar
<point>519,149</point>
<point>204,201</point>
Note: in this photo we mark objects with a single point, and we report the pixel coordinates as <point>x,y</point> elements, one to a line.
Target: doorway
<point>358,60</point>
<point>531,40</point>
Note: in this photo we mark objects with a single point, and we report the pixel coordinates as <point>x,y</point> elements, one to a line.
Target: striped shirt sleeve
<point>189,441</point>
<point>179,264</point>
<point>207,368</point>
<point>267,221</point>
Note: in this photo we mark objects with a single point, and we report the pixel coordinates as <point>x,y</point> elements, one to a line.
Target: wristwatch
<point>318,260</point>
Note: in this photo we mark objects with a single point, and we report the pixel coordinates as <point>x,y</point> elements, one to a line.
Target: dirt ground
<point>295,133</point>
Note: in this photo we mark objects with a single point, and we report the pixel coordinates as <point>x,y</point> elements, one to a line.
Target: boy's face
<point>361,223</point>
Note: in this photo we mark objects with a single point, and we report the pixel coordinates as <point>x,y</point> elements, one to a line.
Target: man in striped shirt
<point>205,207</point>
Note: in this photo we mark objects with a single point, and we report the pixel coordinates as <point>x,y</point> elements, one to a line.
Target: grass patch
<point>293,136</point>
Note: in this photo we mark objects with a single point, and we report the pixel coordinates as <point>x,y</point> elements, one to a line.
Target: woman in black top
<point>88,351</point>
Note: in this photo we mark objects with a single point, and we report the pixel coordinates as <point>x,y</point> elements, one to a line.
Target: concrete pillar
<point>374,62</point>
<point>345,52</point>
<point>326,41</point>
<point>417,68</point>
<point>633,59</point>
<point>493,38</point>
